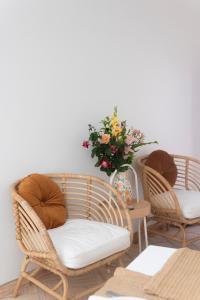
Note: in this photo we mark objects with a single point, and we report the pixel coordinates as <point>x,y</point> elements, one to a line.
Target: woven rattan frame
<point>86,197</point>
<point>162,197</point>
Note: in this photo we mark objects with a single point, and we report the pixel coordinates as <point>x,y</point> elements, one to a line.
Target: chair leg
<point>184,240</point>
<point>29,276</point>
<point>167,227</point>
<point>19,281</point>
<point>64,283</point>
<point>121,263</point>
<point>65,287</point>
<point>145,232</point>
<point>182,229</point>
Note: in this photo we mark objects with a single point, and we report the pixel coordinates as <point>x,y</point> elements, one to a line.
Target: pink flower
<point>86,144</point>
<point>105,164</point>
<point>130,140</point>
<point>127,149</point>
<point>136,131</point>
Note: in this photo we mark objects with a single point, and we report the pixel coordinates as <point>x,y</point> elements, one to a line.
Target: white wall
<point>64,64</point>
<point>196,110</point>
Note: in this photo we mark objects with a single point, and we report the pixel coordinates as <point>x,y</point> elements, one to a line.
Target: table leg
<point>139,236</point>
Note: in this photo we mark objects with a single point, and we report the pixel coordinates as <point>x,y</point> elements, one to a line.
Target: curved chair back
<point>91,198</point>
<point>159,192</point>
<point>86,197</point>
<point>188,173</point>
<point>188,177</point>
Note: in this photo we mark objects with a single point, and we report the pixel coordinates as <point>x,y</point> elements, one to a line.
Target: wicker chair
<point>86,198</point>
<point>166,205</point>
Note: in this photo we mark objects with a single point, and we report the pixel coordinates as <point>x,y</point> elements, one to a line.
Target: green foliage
<point>114,145</point>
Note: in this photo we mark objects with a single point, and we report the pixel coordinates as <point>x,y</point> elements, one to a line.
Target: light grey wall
<point>64,64</point>
<point>196,110</point>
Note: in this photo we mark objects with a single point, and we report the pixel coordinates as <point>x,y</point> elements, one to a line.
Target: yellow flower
<point>105,138</point>
<point>116,131</point>
<point>114,121</point>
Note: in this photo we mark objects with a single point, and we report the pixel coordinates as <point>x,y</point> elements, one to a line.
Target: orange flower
<point>105,138</point>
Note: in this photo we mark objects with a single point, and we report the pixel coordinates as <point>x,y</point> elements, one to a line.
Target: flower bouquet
<point>114,144</point>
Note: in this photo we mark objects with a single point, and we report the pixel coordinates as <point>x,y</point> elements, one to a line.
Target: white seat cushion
<point>189,202</point>
<point>80,243</point>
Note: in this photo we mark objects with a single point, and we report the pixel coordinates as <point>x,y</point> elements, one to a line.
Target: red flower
<point>113,149</point>
<point>109,165</point>
<point>86,144</point>
<point>105,164</point>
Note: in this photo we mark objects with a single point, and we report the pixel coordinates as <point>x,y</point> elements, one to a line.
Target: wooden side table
<point>140,210</point>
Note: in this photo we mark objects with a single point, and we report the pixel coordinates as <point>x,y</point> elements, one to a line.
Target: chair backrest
<point>188,168</point>
<point>91,198</point>
<point>158,191</point>
<point>188,173</point>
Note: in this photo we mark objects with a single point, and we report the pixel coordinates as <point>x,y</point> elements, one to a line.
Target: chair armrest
<point>31,233</point>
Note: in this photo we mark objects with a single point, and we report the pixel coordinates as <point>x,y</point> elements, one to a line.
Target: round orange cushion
<point>45,197</point>
<point>164,164</point>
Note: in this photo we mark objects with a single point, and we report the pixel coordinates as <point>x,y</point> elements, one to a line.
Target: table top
<point>140,209</point>
<point>151,260</point>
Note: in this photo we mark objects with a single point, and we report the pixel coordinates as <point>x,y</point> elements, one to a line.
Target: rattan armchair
<point>164,200</point>
<point>86,198</point>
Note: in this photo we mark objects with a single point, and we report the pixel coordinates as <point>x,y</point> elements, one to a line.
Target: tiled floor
<point>30,292</point>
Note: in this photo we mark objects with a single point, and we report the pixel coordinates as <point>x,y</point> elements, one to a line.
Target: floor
<point>30,292</point>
